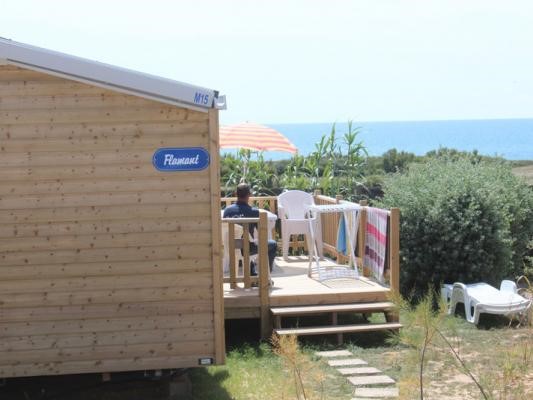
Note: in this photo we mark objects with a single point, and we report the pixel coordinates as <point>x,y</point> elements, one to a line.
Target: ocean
<point>508,138</point>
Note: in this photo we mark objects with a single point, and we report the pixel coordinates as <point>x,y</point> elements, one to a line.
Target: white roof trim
<point>109,76</point>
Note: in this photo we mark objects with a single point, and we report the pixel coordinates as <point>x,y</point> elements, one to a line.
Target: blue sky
<point>308,61</point>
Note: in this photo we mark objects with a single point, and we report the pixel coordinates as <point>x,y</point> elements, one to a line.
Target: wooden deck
<point>293,287</point>
<point>294,293</point>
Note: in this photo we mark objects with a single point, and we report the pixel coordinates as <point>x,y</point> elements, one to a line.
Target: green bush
<point>461,220</point>
<point>397,161</point>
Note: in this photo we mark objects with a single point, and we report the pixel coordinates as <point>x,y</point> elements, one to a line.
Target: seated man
<point>241,209</point>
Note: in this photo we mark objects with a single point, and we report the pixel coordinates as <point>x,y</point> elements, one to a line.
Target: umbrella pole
<point>246,159</point>
<point>244,171</point>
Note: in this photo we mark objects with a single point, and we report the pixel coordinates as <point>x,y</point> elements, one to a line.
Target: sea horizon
<point>510,138</point>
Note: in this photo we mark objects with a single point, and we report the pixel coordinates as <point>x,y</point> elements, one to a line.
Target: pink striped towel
<point>376,241</point>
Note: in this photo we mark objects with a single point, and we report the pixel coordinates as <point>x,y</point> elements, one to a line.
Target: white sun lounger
<point>482,298</point>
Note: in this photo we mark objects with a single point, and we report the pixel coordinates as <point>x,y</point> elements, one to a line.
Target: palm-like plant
<point>335,167</point>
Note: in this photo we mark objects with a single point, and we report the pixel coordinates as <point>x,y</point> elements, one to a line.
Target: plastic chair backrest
<point>293,202</point>
<point>225,235</point>
<point>508,286</point>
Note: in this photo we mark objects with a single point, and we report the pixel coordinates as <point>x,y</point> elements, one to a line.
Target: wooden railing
<point>265,202</point>
<point>330,226</point>
<point>261,259</point>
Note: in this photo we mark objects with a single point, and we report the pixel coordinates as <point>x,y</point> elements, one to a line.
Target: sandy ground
<point>525,172</point>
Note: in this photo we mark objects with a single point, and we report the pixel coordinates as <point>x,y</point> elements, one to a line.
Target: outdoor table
<point>348,210</point>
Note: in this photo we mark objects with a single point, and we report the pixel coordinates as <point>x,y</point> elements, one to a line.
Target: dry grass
<point>306,377</point>
<point>497,355</point>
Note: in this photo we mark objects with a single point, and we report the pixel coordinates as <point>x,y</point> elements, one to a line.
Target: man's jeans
<point>272,249</point>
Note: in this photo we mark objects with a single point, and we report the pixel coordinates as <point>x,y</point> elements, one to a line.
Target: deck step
<point>358,307</point>
<point>326,330</point>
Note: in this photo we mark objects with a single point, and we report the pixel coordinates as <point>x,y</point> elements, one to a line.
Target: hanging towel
<point>376,241</point>
<point>341,236</point>
<point>349,224</point>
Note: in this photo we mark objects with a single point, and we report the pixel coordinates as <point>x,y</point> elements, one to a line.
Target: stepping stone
<point>370,380</point>
<point>346,362</point>
<point>334,353</point>
<point>376,392</point>
<point>359,371</point>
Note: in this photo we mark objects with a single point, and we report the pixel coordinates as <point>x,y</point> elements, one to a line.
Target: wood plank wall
<point>105,263</point>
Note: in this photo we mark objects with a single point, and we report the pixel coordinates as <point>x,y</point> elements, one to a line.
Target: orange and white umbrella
<point>254,137</point>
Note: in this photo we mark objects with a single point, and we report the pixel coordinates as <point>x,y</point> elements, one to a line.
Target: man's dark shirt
<point>242,210</point>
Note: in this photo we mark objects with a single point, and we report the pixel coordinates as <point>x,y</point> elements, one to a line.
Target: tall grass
<point>304,376</point>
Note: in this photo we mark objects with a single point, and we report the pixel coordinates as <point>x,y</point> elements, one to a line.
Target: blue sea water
<point>508,138</point>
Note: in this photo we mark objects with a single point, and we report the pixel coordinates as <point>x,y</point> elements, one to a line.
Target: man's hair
<point>243,190</point>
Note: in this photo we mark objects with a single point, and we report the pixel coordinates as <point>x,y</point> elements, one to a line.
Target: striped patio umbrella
<point>254,137</point>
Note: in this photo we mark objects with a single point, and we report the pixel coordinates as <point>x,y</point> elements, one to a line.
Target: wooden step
<point>327,330</point>
<point>358,307</point>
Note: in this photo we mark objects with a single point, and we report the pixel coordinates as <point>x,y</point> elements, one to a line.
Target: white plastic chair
<point>239,258</point>
<point>225,244</point>
<point>292,207</point>
<point>482,298</point>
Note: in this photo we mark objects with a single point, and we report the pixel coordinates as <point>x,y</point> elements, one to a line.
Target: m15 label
<point>201,98</point>
<point>181,159</point>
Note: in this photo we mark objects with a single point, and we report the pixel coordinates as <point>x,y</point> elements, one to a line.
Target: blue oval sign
<point>181,159</point>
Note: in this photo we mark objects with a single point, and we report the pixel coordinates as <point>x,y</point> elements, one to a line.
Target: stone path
<point>369,380</point>
<point>376,393</point>
<point>370,383</point>
<point>334,353</point>
<point>359,371</point>
<point>346,362</point>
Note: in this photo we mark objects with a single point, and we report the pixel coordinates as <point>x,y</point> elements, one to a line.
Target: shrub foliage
<point>462,219</point>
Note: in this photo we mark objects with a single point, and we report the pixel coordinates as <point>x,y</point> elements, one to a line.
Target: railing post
<point>320,230</point>
<point>361,237</point>
<point>272,205</point>
<point>394,250</point>
<point>232,261</point>
<point>264,276</point>
<point>246,255</point>
<point>273,209</point>
<point>340,256</point>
